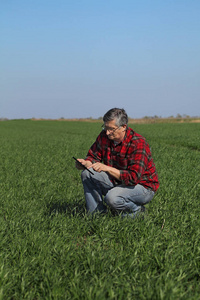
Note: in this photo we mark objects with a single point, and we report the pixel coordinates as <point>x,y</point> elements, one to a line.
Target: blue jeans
<point>120,198</point>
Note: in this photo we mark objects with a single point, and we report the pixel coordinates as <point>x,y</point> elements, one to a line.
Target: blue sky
<point>79,58</point>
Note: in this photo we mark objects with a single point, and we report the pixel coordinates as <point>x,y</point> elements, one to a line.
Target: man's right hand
<point>84,162</point>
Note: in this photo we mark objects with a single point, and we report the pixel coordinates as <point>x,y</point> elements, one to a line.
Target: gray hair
<point>117,114</point>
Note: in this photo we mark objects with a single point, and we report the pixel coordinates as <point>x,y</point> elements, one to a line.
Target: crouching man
<point>124,174</point>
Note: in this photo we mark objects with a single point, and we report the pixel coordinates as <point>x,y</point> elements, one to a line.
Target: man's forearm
<point>99,167</point>
<point>114,172</point>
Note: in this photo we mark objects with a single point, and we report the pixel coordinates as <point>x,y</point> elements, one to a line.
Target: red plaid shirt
<point>132,157</point>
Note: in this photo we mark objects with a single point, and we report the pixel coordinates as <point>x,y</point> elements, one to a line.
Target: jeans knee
<point>84,175</point>
<point>114,202</point>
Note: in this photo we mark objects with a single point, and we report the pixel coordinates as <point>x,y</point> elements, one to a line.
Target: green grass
<point>51,249</point>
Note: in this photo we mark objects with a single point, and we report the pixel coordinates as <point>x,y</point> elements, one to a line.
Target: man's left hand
<point>99,167</point>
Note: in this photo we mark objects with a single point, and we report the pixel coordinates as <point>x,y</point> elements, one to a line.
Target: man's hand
<point>99,167</point>
<point>85,163</point>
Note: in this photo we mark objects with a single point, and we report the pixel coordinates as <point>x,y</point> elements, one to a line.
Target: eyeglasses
<point>109,129</point>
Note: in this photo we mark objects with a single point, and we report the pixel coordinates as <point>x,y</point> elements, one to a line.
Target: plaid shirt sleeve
<point>95,152</point>
<point>137,162</point>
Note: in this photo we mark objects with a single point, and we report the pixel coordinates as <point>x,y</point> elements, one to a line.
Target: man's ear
<point>124,127</point>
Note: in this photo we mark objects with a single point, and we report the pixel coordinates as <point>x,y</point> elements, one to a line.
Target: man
<point>125,178</point>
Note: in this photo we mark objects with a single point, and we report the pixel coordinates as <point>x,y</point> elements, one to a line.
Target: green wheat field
<point>51,249</point>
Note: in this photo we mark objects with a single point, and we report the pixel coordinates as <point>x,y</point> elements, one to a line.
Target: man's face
<point>114,132</point>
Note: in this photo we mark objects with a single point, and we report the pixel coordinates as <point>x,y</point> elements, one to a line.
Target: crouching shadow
<point>69,208</point>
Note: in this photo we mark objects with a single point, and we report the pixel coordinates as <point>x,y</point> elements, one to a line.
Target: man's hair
<point>117,114</point>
